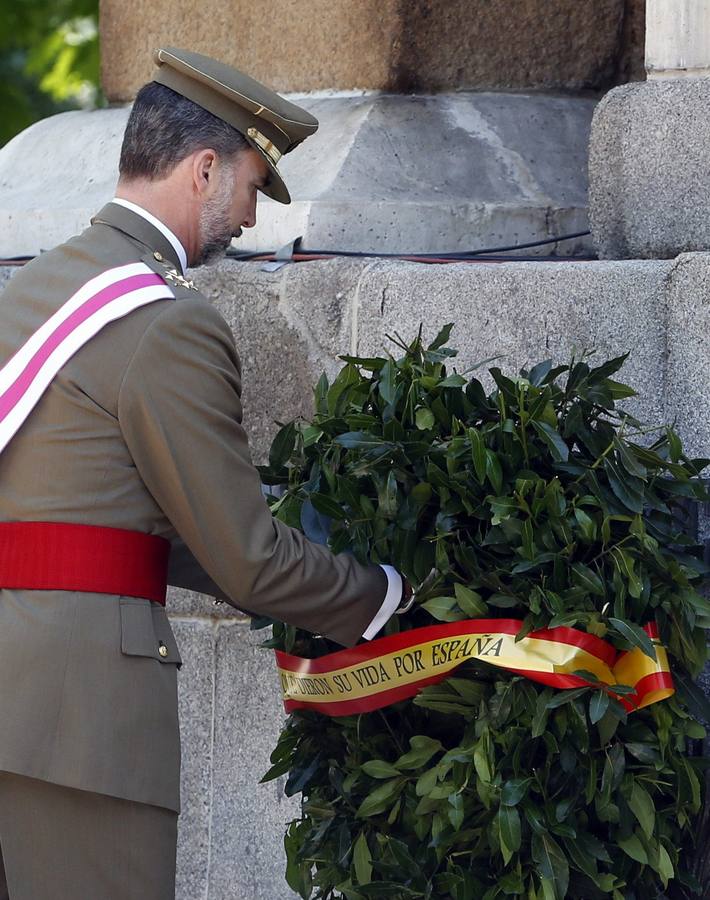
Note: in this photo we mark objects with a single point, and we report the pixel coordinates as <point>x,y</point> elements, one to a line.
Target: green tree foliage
<point>539,500</point>
<point>49,60</point>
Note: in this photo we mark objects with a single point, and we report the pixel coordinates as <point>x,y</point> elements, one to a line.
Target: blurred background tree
<point>49,60</point>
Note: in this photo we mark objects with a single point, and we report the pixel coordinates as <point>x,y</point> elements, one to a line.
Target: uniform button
<point>162,649</point>
<point>158,256</point>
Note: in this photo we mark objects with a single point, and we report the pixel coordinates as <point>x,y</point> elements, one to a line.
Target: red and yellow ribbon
<point>384,671</point>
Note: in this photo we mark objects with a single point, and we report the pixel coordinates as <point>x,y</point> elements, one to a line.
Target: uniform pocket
<point>146,631</point>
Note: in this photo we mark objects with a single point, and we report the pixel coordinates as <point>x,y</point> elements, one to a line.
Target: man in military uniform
<point>124,465</point>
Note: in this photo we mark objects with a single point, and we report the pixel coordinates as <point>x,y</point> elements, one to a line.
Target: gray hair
<point>164,128</point>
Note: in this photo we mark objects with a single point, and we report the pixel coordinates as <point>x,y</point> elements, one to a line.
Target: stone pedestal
<point>384,173</point>
<point>649,176</point>
<point>649,180</point>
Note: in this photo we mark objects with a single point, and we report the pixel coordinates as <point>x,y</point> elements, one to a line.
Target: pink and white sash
<point>105,298</point>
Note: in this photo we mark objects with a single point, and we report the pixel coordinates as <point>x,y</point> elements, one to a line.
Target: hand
<point>407,598</point>
<point>409,595</point>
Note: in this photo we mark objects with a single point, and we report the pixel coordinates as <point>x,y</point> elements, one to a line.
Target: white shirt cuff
<point>389,604</point>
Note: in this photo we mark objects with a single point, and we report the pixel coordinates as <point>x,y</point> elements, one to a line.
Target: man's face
<point>232,204</point>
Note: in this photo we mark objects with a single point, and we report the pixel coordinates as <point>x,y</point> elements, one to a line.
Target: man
<point>122,454</point>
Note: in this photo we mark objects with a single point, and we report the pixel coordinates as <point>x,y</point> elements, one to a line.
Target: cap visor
<point>276,188</point>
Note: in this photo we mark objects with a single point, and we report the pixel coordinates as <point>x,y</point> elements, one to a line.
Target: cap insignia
<point>265,144</point>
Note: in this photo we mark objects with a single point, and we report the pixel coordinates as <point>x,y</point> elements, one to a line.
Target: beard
<point>215,225</point>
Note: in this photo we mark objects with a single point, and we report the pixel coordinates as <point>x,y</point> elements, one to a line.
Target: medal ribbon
<point>381,672</point>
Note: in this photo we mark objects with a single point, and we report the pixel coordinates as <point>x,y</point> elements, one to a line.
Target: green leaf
<point>598,705</point>
<point>628,490</point>
<point>588,579</point>
<point>481,761</point>
<point>442,337</point>
<point>425,418</point>
<point>381,798</point>
<point>457,811</point>
<point>282,446</point>
<point>470,602</point>
<point>320,393</point>
<point>360,440</point>
<point>586,525</point>
<point>478,453</point>
<point>514,790</point>
<point>665,866</point>
<point>370,363</point>
<point>453,381</point>
<point>423,748</point>
<point>626,565</point>
<point>542,712</point>
<point>441,608</point>
<point>642,807</point>
<point>558,448</point>
<point>512,883</point>
<point>327,506</point>
<point>347,378</point>
<point>426,782</point>
<point>510,832</point>
<point>378,768</point>
<point>502,508</point>
<point>362,860</point>
<point>386,384</point>
<point>635,635</point>
<point>539,372</point>
<point>645,753</point>
<point>565,696</point>
<point>674,445</point>
<point>551,862</point>
<point>494,471</point>
<point>608,368</point>
<point>628,460</point>
<point>633,847</point>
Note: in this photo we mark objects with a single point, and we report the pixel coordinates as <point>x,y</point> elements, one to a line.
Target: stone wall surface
<point>50,203</point>
<point>392,45</point>
<point>297,320</point>
<point>630,62</point>
<point>677,38</point>
<point>649,181</point>
<point>688,393</point>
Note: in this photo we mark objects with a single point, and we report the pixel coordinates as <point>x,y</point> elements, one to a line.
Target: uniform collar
<point>138,223</point>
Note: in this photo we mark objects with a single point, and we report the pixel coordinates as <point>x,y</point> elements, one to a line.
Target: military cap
<point>270,123</point>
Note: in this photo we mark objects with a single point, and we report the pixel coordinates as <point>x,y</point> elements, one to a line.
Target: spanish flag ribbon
<point>388,669</point>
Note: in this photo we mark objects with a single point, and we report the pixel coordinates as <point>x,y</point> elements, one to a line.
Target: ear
<point>204,167</point>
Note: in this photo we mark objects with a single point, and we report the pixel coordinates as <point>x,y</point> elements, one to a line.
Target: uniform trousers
<point>59,843</point>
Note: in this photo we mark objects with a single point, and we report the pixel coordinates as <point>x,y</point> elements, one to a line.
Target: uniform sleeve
<point>180,413</point>
<point>185,572</point>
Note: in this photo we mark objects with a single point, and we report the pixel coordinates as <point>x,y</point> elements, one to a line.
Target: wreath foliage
<point>540,500</point>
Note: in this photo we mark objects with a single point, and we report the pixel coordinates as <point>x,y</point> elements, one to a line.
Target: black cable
<point>264,256</point>
<point>488,254</point>
<point>463,254</point>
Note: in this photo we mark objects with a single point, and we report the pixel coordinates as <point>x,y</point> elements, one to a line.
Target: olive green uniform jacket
<point>141,430</point>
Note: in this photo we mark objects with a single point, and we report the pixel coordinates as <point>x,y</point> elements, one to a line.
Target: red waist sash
<point>52,556</point>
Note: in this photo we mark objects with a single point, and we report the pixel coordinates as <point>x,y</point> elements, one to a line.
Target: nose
<point>250,218</point>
